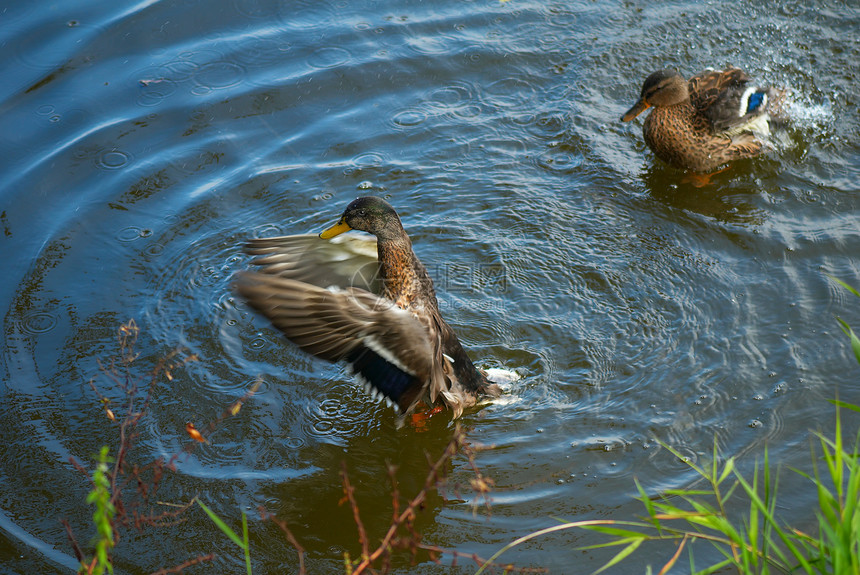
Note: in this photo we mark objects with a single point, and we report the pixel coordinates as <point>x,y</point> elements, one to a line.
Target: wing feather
<point>385,345</point>
<point>345,261</point>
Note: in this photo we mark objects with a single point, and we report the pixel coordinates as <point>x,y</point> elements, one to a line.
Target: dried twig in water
<point>79,555</point>
<point>405,519</point>
<point>265,516</point>
<point>200,436</point>
<point>138,511</point>
<point>182,566</point>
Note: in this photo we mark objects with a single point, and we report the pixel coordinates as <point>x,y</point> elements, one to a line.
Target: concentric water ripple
<point>113,159</point>
<point>219,75</point>
<point>38,322</point>
<point>329,57</point>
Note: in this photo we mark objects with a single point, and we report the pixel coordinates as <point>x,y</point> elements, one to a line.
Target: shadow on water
<point>721,196</point>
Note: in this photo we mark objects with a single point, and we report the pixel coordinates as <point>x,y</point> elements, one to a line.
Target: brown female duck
<point>377,312</point>
<point>712,119</point>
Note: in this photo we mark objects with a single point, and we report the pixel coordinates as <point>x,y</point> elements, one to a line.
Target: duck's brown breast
<point>678,136</point>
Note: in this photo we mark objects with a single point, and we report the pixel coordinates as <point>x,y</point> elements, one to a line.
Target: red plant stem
<point>409,512</point>
<point>182,566</point>
<point>290,537</point>
<point>349,491</point>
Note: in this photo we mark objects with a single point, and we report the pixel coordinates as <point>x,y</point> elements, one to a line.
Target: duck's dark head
<point>662,88</point>
<point>368,214</point>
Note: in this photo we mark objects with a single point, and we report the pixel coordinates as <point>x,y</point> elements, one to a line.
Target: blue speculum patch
<point>756,99</point>
<point>385,376</point>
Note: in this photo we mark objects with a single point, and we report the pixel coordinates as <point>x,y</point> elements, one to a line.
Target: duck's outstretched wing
<point>345,261</point>
<point>733,106</point>
<point>384,346</point>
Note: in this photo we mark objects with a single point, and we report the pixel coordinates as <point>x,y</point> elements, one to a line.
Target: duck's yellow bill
<point>335,230</point>
<point>637,109</point>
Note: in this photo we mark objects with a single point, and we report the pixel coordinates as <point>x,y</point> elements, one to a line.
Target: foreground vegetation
<point>754,541</point>
<point>123,492</point>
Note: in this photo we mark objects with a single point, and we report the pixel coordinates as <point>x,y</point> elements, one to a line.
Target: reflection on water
<point>143,145</point>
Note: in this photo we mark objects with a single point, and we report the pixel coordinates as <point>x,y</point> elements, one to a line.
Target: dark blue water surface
<point>142,143</point>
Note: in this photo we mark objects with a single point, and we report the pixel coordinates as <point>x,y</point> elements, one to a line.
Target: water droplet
<point>329,57</point>
<point>112,159</point>
<point>330,408</point>
<point>409,118</point>
<point>368,159</point>
<point>201,90</point>
<point>153,249</point>
<point>294,442</point>
<point>219,75</point>
<point>38,322</point>
<point>130,234</point>
<point>258,343</point>
<point>428,44</point>
<point>323,426</point>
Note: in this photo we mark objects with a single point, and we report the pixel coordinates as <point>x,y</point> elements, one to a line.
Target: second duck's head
<point>368,214</point>
<point>662,88</point>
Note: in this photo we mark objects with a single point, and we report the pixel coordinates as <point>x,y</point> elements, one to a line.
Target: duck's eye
<point>362,213</point>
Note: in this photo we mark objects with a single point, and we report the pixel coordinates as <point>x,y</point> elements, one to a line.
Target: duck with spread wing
<point>374,309</point>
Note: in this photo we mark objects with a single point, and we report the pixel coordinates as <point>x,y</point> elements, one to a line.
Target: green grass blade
<point>683,458</point>
<point>649,505</point>
<point>247,544</point>
<point>844,285</point>
<point>727,469</point>
<point>845,404</point>
<point>615,531</point>
<point>221,525</point>
<point>855,342</point>
<point>621,555</point>
<point>785,538</point>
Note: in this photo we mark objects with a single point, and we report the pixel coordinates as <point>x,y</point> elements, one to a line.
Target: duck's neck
<point>404,278</point>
